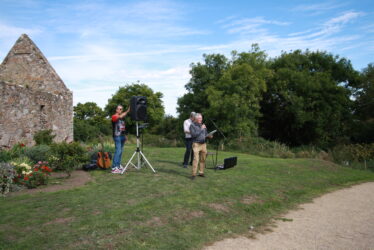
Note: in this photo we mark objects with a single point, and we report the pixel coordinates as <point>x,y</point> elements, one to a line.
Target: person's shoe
<point>184,166</point>
<point>116,171</point>
<point>193,178</point>
<point>201,175</point>
<point>120,167</point>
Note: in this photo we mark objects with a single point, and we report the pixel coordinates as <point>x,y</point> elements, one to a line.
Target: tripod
<point>138,153</point>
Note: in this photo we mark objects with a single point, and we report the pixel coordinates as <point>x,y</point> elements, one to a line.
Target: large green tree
<point>155,108</point>
<point>308,99</point>
<point>228,92</point>
<point>363,129</point>
<point>89,121</point>
<point>203,75</point>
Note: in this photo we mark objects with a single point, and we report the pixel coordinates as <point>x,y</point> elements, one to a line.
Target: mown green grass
<point>142,210</point>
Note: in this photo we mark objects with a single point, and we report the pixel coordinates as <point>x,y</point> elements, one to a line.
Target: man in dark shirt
<point>118,126</point>
<point>199,135</point>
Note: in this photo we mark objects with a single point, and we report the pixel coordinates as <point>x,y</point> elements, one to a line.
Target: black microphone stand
<point>219,141</point>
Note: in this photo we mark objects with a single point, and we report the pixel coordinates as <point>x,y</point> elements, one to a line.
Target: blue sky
<point>97,46</point>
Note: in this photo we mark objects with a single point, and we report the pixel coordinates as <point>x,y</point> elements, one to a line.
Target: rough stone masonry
<point>32,97</point>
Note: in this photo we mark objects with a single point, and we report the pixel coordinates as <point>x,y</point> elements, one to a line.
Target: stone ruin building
<point>32,97</point>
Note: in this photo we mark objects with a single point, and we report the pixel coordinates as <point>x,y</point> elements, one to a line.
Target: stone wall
<point>25,111</point>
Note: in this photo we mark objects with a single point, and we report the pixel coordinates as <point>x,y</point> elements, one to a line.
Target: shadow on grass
<point>171,162</point>
<point>175,172</point>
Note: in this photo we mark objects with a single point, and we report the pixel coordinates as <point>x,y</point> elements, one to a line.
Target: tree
<point>90,121</point>
<point>202,76</point>
<point>170,128</point>
<point>363,129</point>
<point>308,99</point>
<point>155,108</point>
<point>228,91</point>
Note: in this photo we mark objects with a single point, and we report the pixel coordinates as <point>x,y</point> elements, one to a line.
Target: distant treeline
<point>299,98</point>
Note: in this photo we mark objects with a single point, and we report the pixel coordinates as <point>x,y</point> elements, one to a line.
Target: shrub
<point>17,150</point>
<point>22,162</point>
<point>66,157</point>
<point>33,177</point>
<point>354,155</point>
<point>44,137</point>
<point>5,156</point>
<point>260,146</point>
<point>39,175</point>
<point>7,174</point>
<point>38,153</point>
<point>159,141</point>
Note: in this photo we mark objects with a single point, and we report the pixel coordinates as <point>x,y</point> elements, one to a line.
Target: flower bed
<point>31,177</point>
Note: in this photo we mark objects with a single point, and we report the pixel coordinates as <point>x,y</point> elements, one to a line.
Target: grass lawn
<point>166,210</point>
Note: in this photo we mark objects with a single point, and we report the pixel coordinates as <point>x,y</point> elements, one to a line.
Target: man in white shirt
<point>188,140</point>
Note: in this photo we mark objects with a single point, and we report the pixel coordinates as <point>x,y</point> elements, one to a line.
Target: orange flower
<point>26,178</point>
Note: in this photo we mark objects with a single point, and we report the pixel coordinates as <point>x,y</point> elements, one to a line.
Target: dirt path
<point>342,219</point>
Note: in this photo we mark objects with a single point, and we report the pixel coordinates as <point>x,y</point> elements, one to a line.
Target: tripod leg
<point>138,164</point>
<point>149,164</point>
<point>128,163</point>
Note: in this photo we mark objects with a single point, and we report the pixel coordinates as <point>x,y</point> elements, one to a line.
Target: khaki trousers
<point>199,151</point>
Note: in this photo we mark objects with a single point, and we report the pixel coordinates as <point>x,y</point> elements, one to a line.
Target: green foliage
<point>363,127</point>
<point>202,76</point>
<point>5,155</point>
<point>38,177</point>
<point>38,153</point>
<point>16,151</point>
<point>44,137</point>
<point>90,121</point>
<point>66,157</point>
<point>161,141</point>
<point>228,91</point>
<point>308,99</point>
<point>170,128</point>
<point>35,180</point>
<point>22,160</point>
<point>155,108</point>
<point>7,174</point>
<point>260,146</point>
<point>352,154</point>
<point>29,176</point>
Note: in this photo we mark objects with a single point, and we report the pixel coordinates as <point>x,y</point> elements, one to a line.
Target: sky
<point>98,46</point>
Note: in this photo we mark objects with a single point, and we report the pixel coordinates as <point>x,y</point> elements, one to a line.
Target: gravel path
<point>342,219</point>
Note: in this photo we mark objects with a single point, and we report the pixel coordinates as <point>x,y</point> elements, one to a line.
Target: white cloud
<point>151,19</point>
<point>326,36</point>
<point>250,25</point>
<point>10,31</point>
<point>97,75</point>
<point>319,8</point>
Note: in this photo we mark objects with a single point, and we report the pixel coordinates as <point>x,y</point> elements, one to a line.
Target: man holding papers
<point>199,136</point>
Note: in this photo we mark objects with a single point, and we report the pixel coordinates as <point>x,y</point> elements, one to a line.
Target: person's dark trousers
<point>188,153</point>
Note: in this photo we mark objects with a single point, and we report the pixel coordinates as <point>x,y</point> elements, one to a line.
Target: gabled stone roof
<point>26,65</point>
